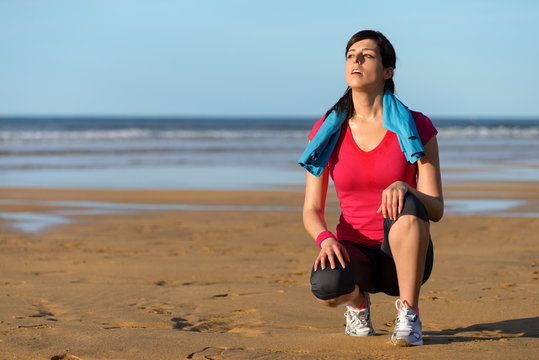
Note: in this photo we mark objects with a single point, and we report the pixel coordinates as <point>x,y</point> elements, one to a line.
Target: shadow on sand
<point>507,329</point>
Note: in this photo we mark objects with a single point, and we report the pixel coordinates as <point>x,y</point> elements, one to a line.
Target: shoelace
<point>405,318</point>
<point>357,316</point>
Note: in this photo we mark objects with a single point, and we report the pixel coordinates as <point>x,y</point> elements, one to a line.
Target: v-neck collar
<point>351,137</point>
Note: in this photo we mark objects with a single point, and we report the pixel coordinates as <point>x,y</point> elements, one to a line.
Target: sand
<point>234,284</point>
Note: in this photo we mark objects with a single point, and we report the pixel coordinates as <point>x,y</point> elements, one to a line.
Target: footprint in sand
<point>123,325</point>
<point>506,284</point>
<point>285,281</point>
<point>223,352</point>
<point>65,357</point>
<point>45,273</point>
<point>181,323</point>
<point>243,311</point>
<point>203,283</point>
<point>238,321</point>
<point>208,325</point>
<point>39,326</point>
<point>41,313</point>
<point>246,294</point>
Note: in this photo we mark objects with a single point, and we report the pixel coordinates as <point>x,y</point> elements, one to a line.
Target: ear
<point>388,73</point>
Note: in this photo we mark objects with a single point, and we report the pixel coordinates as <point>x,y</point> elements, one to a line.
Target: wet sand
<point>234,284</point>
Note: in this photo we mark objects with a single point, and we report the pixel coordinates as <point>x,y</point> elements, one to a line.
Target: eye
<point>370,56</point>
<point>349,56</point>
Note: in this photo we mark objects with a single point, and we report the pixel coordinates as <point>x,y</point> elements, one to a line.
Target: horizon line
<point>241,117</point>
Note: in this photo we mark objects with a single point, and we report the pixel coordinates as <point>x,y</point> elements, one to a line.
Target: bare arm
<point>315,223</point>
<point>429,181</point>
<point>315,202</point>
<point>429,187</point>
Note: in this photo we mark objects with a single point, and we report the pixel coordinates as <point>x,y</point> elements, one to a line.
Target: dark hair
<point>389,59</point>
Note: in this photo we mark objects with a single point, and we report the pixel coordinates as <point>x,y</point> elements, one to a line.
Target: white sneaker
<point>358,322</point>
<point>407,330</point>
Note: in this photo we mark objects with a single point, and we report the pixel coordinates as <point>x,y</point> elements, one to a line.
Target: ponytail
<point>390,85</point>
<point>345,103</point>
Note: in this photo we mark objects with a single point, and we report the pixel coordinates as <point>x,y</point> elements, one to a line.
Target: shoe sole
<point>405,343</point>
<point>368,334</point>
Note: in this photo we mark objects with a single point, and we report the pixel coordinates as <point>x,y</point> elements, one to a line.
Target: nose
<point>359,58</point>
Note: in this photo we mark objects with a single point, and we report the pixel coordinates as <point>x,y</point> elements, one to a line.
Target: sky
<point>464,58</point>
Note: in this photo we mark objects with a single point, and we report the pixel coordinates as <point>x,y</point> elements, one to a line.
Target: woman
<point>382,241</point>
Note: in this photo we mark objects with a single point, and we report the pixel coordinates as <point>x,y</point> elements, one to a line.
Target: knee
<point>409,226</point>
<point>408,223</point>
<point>329,285</point>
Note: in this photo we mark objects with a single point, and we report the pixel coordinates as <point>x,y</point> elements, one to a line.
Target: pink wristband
<point>323,236</point>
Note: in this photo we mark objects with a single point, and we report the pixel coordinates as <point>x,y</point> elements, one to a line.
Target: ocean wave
<point>143,134</point>
<point>499,132</point>
<point>136,134</point>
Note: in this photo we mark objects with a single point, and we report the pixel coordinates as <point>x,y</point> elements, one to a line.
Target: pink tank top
<point>360,177</point>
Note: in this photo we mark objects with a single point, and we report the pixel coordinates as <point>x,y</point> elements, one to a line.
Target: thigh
<point>362,261</point>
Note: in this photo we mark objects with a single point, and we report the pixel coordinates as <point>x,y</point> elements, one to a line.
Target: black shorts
<point>371,268</point>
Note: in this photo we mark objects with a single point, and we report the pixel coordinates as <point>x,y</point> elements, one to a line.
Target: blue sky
<point>272,58</point>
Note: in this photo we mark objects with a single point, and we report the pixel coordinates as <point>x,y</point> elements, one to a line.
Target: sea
<point>227,153</point>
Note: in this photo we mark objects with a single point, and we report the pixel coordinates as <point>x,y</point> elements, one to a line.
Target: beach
<point>133,238</point>
<point>224,274</point>
<point>151,193</point>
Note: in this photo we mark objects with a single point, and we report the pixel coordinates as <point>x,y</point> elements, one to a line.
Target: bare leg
<point>409,240</point>
<point>353,299</point>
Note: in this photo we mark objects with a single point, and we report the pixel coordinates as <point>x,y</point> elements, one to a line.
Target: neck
<point>367,106</point>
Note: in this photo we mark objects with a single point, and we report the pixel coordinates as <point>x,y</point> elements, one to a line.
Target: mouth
<point>356,72</point>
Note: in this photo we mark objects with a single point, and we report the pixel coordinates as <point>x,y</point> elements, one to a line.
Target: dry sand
<point>235,284</point>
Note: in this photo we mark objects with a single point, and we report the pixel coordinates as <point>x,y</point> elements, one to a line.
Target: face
<point>364,68</point>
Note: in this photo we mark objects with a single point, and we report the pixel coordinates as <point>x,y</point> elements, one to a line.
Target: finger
<point>323,262</point>
<point>316,262</point>
<point>379,210</point>
<point>331,261</point>
<point>383,205</point>
<point>394,205</point>
<point>401,200</point>
<point>340,258</point>
<point>387,204</point>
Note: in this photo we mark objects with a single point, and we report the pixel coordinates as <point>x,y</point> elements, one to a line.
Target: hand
<point>393,199</point>
<point>330,249</point>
